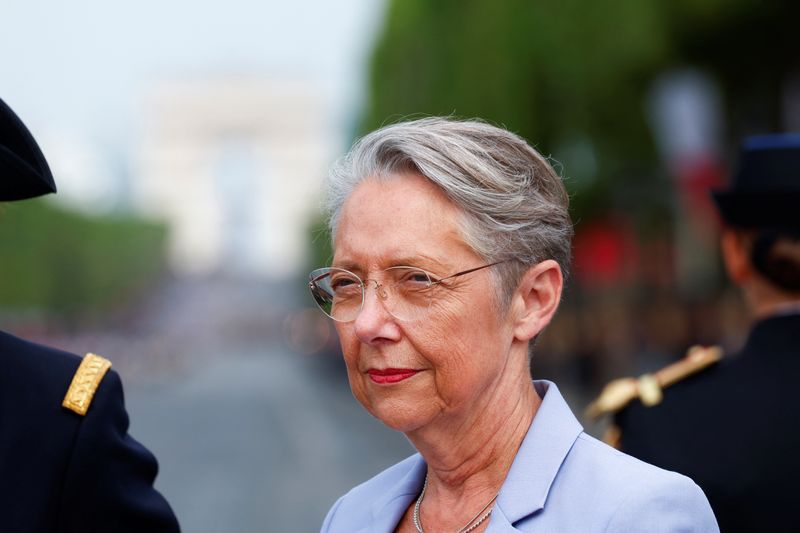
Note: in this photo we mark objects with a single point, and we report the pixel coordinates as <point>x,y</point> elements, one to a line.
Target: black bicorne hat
<point>765,190</point>
<point>23,169</point>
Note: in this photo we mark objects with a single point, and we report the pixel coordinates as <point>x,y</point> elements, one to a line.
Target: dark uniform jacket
<point>62,472</point>
<point>734,429</point>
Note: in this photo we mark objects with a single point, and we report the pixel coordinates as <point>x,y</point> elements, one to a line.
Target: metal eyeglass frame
<point>379,287</point>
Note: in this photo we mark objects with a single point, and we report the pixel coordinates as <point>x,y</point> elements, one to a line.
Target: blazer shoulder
<point>616,489</point>
<point>377,485</point>
<point>672,502</point>
<point>621,470</point>
<point>353,511</point>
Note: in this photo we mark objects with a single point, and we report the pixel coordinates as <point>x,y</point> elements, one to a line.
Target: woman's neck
<point>468,458</point>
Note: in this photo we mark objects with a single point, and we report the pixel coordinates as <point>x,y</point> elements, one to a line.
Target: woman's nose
<point>374,320</point>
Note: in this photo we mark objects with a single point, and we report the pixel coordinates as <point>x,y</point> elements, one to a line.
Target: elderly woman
<point>451,240</point>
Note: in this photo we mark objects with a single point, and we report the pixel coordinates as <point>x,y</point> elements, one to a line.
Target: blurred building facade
<point>234,167</point>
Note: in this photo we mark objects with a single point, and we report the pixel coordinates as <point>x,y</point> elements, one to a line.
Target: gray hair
<point>514,205</point>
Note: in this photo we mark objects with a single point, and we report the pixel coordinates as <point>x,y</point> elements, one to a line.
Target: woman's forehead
<point>388,221</point>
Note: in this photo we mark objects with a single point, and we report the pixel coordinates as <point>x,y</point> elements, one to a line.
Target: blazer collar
<point>389,508</point>
<point>543,450</point>
<point>524,492</point>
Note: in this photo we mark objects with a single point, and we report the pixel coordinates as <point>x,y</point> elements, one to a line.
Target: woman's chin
<point>403,426</point>
<point>399,417</point>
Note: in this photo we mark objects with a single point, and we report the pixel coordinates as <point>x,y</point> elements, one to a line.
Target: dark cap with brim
<point>24,172</point>
<point>765,191</point>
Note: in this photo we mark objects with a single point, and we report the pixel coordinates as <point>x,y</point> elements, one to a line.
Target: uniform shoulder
<point>54,374</point>
<point>649,389</point>
<point>85,383</point>
<point>26,361</point>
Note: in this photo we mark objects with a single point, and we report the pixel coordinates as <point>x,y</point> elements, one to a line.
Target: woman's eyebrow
<point>352,266</point>
<point>416,260</point>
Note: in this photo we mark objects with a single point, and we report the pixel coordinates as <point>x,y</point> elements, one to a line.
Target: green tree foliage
<point>71,264</point>
<point>572,75</point>
<point>560,73</point>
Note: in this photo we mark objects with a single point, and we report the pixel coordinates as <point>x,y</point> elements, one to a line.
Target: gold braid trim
<point>85,382</point>
<point>649,387</point>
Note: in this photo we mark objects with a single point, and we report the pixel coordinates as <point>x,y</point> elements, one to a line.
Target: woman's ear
<point>536,299</point>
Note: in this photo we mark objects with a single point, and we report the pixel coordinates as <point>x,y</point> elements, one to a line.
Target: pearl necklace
<point>478,519</point>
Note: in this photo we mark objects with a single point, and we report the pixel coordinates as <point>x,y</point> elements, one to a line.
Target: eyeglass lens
<point>405,292</point>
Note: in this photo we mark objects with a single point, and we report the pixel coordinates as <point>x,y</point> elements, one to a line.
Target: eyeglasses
<point>406,292</point>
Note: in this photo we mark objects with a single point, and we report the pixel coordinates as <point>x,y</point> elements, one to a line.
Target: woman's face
<point>439,366</point>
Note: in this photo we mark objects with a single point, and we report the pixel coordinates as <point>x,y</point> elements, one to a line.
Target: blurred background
<point>189,141</point>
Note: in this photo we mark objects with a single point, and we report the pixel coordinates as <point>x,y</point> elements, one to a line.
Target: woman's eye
<point>341,283</point>
<point>415,278</point>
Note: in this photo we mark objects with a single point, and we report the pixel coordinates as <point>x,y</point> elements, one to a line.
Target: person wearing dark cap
<point>67,463</point>
<point>734,425</point>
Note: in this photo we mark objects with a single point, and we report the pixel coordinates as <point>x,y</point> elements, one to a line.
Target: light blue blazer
<point>561,481</point>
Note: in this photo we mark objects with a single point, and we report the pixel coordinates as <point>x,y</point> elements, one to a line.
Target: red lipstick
<point>390,375</point>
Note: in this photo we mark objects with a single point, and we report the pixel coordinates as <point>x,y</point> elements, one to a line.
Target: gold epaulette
<point>85,382</point>
<point>649,387</point>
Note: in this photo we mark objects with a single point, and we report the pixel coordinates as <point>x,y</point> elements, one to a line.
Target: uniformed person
<point>67,463</point>
<point>733,424</point>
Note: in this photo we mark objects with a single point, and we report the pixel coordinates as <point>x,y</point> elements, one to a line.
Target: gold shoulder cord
<point>85,382</point>
<point>648,388</point>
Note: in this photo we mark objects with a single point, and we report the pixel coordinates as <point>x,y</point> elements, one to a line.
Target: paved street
<point>259,440</point>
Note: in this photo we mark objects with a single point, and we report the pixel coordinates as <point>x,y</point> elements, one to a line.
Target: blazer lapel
<point>543,450</point>
<point>499,522</point>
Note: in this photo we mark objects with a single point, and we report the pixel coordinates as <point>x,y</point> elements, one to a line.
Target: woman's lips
<point>390,375</point>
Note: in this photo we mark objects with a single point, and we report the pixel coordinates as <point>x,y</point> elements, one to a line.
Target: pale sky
<point>83,66</point>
